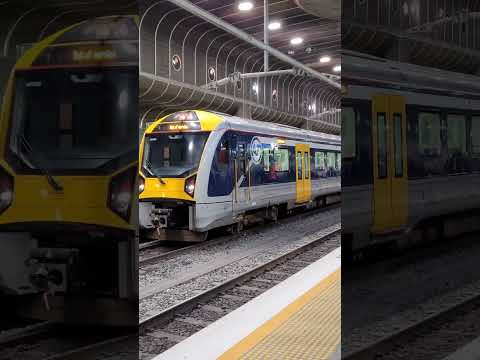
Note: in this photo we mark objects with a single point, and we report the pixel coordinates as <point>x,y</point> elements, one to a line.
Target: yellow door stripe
<point>268,327</point>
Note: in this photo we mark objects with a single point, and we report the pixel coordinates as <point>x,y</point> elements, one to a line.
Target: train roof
<point>208,121</point>
<point>371,70</point>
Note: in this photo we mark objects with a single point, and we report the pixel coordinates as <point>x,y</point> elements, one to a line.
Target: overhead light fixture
<point>274,25</point>
<point>325,59</point>
<point>296,41</point>
<point>337,68</point>
<point>255,88</point>
<point>245,5</point>
<point>291,52</point>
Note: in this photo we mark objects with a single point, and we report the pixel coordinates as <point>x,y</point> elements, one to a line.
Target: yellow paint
<point>174,188</point>
<point>84,199</point>
<point>256,337</point>
<point>391,192</point>
<point>303,183</point>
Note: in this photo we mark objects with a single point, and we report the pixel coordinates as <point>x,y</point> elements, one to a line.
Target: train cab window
<point>299,166</point>
<point>398,140</point>
<point>382,146</point>
<point>429,140</point>
<point>306,158</point>
<point>475,136</point>
<point>457,144</point>
<point>349,136</point>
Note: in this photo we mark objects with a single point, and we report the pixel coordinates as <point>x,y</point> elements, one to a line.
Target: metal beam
<point>205,15</point>
<point>265,34</point>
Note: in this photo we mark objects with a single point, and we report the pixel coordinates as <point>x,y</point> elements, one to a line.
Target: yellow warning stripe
<point>254,338</point>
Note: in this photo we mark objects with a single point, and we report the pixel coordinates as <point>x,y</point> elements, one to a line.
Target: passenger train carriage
<point>204,170</point>
<point>68,167</point>
<point>411,152</point>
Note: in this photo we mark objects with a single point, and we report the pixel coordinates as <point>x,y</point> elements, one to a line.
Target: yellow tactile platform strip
<point>307,329</point>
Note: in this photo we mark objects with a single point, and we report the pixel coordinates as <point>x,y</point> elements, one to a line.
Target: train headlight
<point>6,190</point>
<point>121,193</point>
<point>141,184</point>
<point>190,185</point>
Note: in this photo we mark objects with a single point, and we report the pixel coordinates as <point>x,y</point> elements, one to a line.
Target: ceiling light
<point>325,59</point>
<point>245,6</point>
<point>291,52</point>
<point>255,88</point>
<point>274,25</point>
<point>337,68</point>
<point>296,41</point>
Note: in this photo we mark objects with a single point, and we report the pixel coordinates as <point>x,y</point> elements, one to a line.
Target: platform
<point>470,351</point>
<point>296,319</point>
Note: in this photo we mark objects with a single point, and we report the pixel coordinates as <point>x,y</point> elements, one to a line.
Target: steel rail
<point>189,304</point>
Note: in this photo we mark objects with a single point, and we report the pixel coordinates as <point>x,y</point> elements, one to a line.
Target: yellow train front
<point>68,168</point>
<point>204,170</point>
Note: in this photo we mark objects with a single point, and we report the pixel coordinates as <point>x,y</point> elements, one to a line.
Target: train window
<point>475,136</point>
<point>457,143</point>
<point>331,161</point>
<point>349,145</point>
<point>306,158</point>
<point>429,141</point>
<point>299,166</point>
<point>339,161</point>
<point>398,140</point>
<point>319,160</point>
<point>281,157</point>
<point>382,146</point>
<point>223,155</point>
<point>266,159</point>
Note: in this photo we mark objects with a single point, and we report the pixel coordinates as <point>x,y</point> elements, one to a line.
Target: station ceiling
<point>443,34</point>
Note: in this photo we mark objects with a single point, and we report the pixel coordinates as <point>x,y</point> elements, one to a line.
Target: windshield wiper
<point>54,183</point>
<point>152,172</point>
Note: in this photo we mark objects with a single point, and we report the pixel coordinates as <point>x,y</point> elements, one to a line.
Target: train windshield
<point>173,155</point>
<point>73,119</point>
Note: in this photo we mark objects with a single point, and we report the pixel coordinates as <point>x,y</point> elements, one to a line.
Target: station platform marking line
<point>247,328</point>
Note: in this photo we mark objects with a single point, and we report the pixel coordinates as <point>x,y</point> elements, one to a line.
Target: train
<point>68,175</point>
<point>203,170</point>
<point>411,153</point>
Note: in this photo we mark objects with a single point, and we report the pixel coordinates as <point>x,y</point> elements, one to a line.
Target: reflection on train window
<point>281,160</point>
<point>306,158</point>
<point>339,161</point>
<point>223,155</point>
<point>382,146</point>
<point>429,142</point>
<point>475,136</point>
<point>173,155</point>
<point>349,145</point>
<point>319,160</point>
<point>299,166</point>
<point>457,144</point>
<point>398,140</point>
<point>331,161</point>
<point>74,119</point>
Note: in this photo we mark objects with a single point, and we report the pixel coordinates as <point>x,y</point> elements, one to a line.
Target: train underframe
<point>71,276</point>
<point>175,220</point>
<point>357,243</point>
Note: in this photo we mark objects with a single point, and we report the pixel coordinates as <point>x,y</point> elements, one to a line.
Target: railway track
<point>154,251</point>
<point>434,337</point>
<point>422,305</point>
<point>51,341</point>
<point>162,330</point>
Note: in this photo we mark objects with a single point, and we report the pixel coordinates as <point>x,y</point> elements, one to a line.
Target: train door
<point>389,163</point>
<point>303,181</point>
<point>241,193</point>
